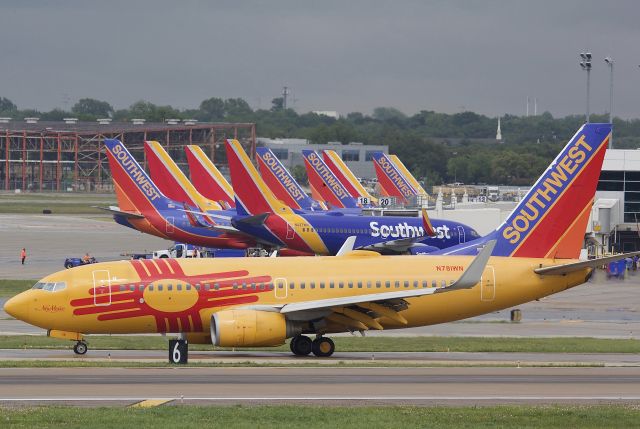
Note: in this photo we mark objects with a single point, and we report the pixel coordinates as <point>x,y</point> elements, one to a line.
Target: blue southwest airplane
<point>142,206</point>
<point>270,220</point>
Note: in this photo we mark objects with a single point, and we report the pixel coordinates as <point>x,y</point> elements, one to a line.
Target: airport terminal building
<point>616,213</point>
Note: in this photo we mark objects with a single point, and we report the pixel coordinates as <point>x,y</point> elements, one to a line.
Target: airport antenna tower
<point>499,131</point>
<point>285,93</point>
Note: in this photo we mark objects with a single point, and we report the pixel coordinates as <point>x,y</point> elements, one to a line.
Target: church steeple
<point>499,132</point>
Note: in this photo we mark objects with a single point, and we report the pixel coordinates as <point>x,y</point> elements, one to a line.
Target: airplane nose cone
<point>17,307</point>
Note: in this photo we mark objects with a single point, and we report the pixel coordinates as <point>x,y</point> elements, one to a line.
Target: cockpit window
<point>50,287</point>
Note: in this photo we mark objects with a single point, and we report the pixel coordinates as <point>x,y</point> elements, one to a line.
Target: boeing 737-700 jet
<point>261,302</point>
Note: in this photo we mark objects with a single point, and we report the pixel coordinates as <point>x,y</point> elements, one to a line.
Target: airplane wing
<point>576,266</point>
<point>360,311</point>
<point>116,210</point>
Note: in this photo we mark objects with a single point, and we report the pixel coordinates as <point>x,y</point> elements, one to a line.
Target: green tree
<point>212,109</point>
<point>277,104</point>
<point>92,107</point>
<point>300,174</point>
<point>7,105</point>
<point>237,108</point>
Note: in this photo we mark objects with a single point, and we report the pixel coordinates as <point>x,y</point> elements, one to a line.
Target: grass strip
<point>9,288</point>
<point>357,344</point>
<point>290,416</point>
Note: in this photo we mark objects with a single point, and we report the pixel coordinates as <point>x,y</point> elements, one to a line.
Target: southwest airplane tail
<point>391,180</point>
<point>346,176</point>
<point>252,192</point>
<point>172,181</point>
<point>282,183</point>
<point>551,220</point>
<point>206,177</point>
<point>407,175</point>
<point>326,185</point>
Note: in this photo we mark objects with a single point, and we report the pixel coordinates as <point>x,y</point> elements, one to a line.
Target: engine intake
<point>251,328</point>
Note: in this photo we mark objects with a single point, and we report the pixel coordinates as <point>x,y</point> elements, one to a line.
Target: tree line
<point>437,147</point>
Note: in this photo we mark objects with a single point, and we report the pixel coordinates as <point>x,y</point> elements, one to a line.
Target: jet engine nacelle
<point>421,249</point>
<point>251,328</point>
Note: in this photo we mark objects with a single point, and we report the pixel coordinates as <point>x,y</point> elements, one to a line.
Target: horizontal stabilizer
<point>253,220</point>
<point>556,270</point>
<point>116,210</point>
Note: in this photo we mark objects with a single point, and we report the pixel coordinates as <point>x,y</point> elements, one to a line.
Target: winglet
<point>426,224</point>
<point>473,274</point>
<point>347,246</point>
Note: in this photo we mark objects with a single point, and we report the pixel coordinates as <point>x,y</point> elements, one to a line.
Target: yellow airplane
<point>255,302</point>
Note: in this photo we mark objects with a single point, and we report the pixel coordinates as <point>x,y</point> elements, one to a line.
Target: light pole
<point>585,63</point>
<point>609,62</point>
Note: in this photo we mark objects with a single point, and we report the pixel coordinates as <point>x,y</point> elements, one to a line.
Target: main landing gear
<point>80,348</point>
<point>321,347</point>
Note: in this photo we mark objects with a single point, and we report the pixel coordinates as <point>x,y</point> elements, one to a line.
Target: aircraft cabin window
<point>331,284</point>
<point>216,286</point>
<point>132,288</point>
<point>425,283</point>
<point>159,288</point>
<point>434,283</point>
<point>387,284</point>
<point>261,286</point>
<point>151,288</point>
<point>321,285</point>
<point>178,286</point>
<point>244,286</point>
<point>292,285</point>
<point>253,286</point>
<point>312,285</point>
<point>350,285</point>
<point>340,285</point>
<point>397,284</point>
<point>170,287</point>
<point>187,286</point>
<point>369,284</point>
<point>359,285</point>
<point>123,288</point>
<point>270,286</point>
<point>444,283</point>
<point>406,283</point>
<point>378,284</point>
<point>302,285</point>
<point>234,286</point>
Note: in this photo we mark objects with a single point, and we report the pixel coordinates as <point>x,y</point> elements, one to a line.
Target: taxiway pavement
<point>340,386</point>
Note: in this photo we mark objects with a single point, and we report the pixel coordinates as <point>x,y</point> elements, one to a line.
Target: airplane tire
<point>80,348</point>
<point>323,347</point>
<point>68,265</point>
<point>301,345</point>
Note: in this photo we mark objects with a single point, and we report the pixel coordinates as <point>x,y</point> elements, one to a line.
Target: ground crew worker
<point>23,255</point>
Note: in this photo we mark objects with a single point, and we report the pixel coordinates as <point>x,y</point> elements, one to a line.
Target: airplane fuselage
<point>173,295</point>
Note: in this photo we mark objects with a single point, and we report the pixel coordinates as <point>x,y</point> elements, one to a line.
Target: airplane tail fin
<point>407,175</point>
<point>135,190</point>
<point>206,177</point>
<point>324,183</point>
<point>551,220</point>
<point>390,179</point>
<point>171,180</point>
<point>281,182</point>
<point>346,176</point>
<point>252,193</point>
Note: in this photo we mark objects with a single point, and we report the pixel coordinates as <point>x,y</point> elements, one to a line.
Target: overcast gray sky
<point>486,56</point>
